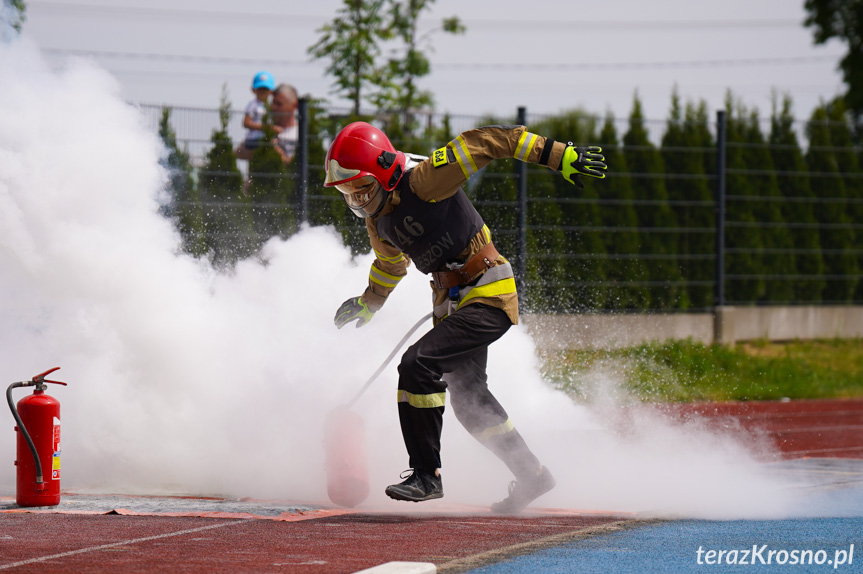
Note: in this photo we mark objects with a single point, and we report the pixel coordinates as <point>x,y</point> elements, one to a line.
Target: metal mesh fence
<point>691,216</point>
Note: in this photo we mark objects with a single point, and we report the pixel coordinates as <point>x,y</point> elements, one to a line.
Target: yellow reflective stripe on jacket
<point>501,287</point>
<point>396,259</point>
<point>496,430</point>
<point>462,155</point>
<point>486,233</point>
<point>383,278</point>
<point>430,401</point>
<point>524,146</point>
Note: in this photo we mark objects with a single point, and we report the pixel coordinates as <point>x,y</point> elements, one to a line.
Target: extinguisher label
<point>55,460</point>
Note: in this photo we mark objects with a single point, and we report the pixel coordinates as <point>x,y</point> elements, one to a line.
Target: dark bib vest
<point>430,233</point>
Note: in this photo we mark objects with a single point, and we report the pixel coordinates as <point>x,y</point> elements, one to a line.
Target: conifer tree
<point>619,218</point>
<point>271,189</point>
<point>443,134</point>
<point>798,209</point>
<point>579,282</point>
<point>494,191</point>
<point>842,138</point>
<point>547,255</point>
<point>184,207</point>
<point>828,185</point>
<point>326,204</point>
<point>230,234</point>
<point>686,144</point>
<point>547,259</point>
<point>778,262</point>
<point>659,246</point>
<point>744,257</point>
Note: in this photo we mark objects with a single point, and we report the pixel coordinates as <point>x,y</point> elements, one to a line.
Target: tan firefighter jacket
<point>440,177</point>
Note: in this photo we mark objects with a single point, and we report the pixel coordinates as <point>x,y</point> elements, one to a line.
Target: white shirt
<point>256,110</point>
<point>287,140</point>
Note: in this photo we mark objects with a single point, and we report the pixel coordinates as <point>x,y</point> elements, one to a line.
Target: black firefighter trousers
<point>453,355</point>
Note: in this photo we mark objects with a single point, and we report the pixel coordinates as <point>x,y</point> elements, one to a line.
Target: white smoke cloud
<point>184,380</point>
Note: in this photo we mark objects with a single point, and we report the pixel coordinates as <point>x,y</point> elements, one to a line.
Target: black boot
<point>524,491</point>
<point>419,486</point>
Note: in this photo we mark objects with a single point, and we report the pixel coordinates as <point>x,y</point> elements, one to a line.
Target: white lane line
<point>401,568</point>
<point>121,543</point>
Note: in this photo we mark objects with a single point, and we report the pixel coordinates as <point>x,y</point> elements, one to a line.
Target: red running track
<point>60,543</point>
<point>326,541</point>
<point>796,429</point>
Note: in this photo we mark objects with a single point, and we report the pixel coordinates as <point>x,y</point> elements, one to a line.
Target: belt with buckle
<point>475,266</point>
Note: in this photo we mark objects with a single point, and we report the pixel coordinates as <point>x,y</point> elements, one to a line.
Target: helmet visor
<point>363,195</point>
<point>338,174</point>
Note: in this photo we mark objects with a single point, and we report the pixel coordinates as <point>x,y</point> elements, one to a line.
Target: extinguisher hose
<point>23,429</point>
<point>390,358</point>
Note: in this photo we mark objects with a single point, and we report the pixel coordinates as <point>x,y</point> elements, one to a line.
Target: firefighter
<point>416,210</point>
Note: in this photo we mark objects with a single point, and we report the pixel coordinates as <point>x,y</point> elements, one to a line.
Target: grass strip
<point>685,370</point>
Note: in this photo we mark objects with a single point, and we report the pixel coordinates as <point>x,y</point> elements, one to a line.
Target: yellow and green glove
<point>578,160</point>
<point>353,309</point>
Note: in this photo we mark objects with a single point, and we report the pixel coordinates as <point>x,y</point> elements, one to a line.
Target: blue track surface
<point>829,539</point>
<point>796,546</point>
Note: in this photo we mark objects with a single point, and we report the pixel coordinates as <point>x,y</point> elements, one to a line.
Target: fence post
<point>720,327</point>
<point>521,178</point>
<point>302,159</point>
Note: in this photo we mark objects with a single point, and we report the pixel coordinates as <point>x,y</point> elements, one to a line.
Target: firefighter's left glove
<point>587,161</point>
<point>353,309</point>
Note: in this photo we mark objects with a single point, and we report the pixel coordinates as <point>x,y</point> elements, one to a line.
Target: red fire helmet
<point>359,150</point>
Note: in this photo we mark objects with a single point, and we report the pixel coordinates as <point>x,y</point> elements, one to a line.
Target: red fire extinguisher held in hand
<point>38,418</point>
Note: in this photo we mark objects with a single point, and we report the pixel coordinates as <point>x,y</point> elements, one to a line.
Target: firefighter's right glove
<point>587,161</point>
<point>353,309</point>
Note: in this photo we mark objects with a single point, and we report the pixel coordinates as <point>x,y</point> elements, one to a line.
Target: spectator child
<point>262,87</point>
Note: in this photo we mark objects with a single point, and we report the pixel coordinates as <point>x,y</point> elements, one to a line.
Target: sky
<point>548,56</point>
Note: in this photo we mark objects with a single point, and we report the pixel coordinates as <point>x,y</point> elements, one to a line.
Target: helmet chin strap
<point>362,213</point>
<point>382,202</point>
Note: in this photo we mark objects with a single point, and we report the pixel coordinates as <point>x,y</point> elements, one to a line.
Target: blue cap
<point>263,80</point>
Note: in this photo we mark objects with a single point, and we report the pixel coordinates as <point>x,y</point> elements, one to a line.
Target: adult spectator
<point>284,111</point>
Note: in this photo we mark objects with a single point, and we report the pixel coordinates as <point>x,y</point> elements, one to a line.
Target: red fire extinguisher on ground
<point>38,418</point>
<point>344,441</point>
